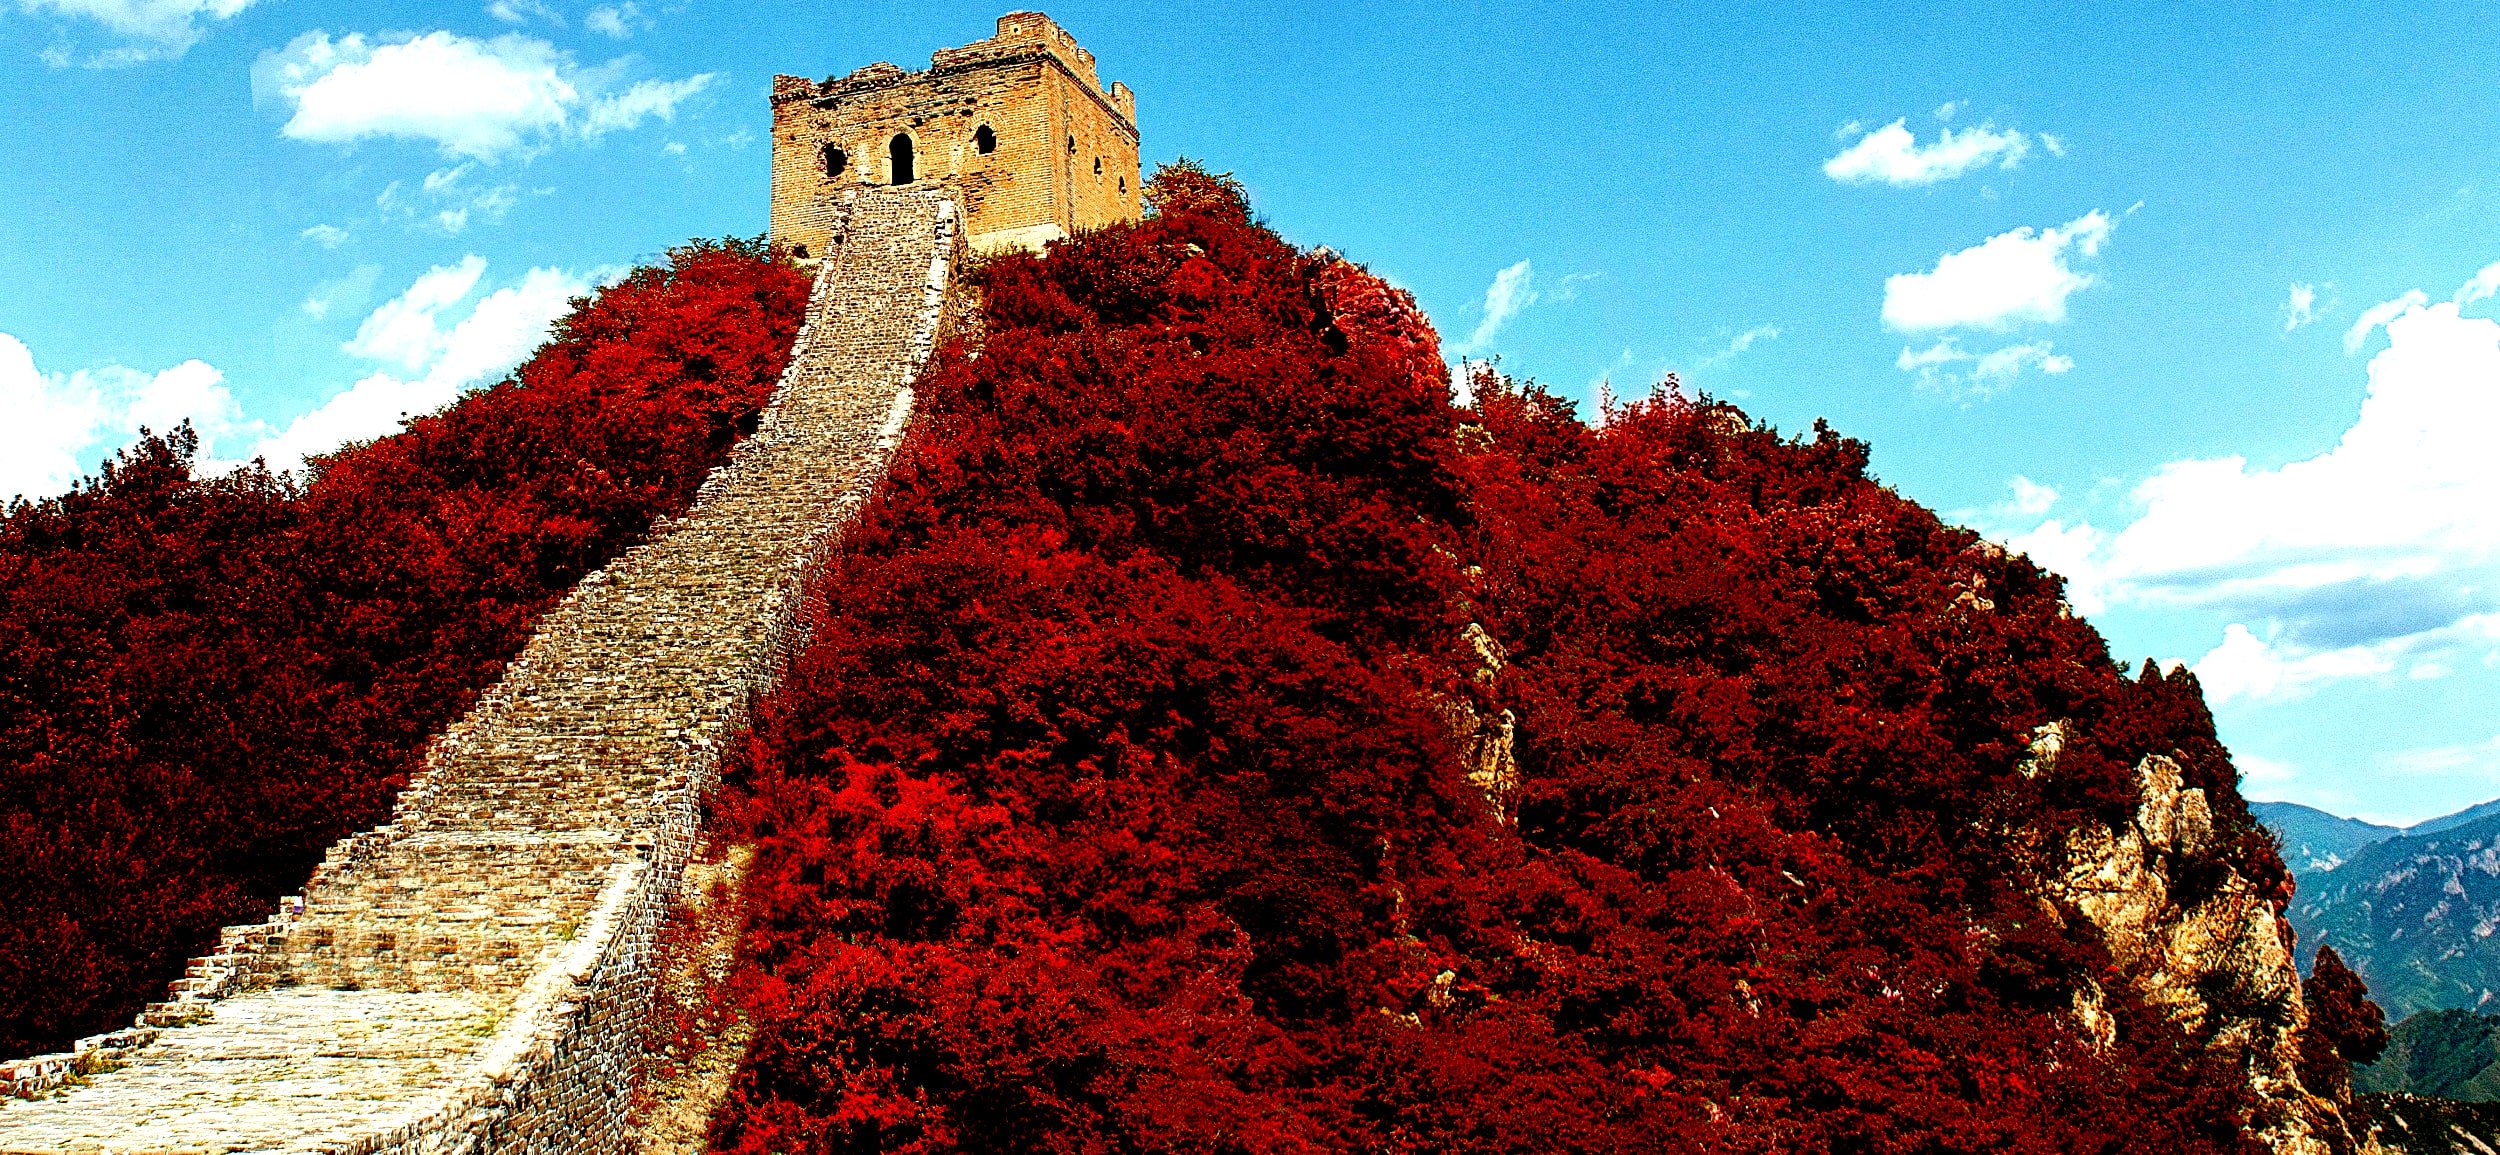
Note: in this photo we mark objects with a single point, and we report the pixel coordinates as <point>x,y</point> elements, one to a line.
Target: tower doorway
<point>898,156</point>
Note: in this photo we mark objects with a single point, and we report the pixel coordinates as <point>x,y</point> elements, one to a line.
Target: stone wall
<point>1065,149</point>
<point>476,974</point>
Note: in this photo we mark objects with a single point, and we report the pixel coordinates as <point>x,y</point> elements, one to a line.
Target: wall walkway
<point>474,976</point>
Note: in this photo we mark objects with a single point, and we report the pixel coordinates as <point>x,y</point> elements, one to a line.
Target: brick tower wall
<point>1066,155</point>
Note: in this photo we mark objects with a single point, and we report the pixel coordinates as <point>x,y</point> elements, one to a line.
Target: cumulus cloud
<point>2378,557</point>
<point>2031,497</point>
<point>435,340</point>
<point>471,98</point>
<point>149,29</point>
<point>432,359</point>
<point>61,424</point>
<point>2013,277</point>
<point>2302,307</point>
<point>1892,155</point>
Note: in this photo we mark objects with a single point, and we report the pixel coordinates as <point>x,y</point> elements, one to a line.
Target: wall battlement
<point>1020,124</point>
<point>475,976</point>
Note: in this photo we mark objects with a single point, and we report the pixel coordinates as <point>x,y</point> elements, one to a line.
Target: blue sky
<point>2125,287</point>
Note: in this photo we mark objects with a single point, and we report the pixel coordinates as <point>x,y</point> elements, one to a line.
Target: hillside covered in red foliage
<point>1144,787</point>
<point>205,681</point>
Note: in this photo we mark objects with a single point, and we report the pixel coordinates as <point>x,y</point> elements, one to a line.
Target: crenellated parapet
<point>1020,125</point>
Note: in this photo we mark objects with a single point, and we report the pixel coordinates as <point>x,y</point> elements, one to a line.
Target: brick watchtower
<point>1036,145</point>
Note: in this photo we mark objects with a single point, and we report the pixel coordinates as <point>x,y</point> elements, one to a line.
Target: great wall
<point>475,974</point>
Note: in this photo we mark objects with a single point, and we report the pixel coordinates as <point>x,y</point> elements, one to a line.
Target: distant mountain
<point>2449,1054</point>
<point>2315,841</point>
<point>2414,915</point>
<point>2472,813</point>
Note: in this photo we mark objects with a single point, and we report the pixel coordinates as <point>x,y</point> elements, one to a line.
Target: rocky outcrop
<point>2197,942</point>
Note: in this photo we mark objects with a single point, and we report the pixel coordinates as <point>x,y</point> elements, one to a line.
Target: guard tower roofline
<point>1023,37</point>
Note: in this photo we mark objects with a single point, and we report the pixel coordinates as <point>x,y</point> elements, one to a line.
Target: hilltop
<point>1218,735</point>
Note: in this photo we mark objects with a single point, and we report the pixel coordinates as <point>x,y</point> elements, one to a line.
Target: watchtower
<point>1035,145</point>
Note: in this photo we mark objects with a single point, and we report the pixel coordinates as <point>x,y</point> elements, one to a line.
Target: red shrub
<point>1115,806</point>
<point>205,682</point>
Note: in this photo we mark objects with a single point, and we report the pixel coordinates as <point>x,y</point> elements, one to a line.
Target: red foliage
<point>1115,807</point>
<point>206,681</point>
<point>2345,1027</point>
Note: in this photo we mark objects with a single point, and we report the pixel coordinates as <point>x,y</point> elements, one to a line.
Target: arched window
<point>985,140</point>
<point>1071,142</point>
<point>835,161</point>
<point>1097,166</point>
<point>898,156</point>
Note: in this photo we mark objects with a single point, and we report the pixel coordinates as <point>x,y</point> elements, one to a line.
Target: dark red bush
<point>2345,1027</point>
<point>1117,805</point>
<point>206,681</point>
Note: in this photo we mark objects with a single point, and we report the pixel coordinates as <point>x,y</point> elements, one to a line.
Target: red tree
<point>1117,805</point>
<point>206,681</point>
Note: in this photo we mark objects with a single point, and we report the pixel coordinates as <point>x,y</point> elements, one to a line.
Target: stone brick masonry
<point>474,975</point>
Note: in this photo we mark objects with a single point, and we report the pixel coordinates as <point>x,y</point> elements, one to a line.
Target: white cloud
<point>2302,307</point>
<point>2483,284</point>
<point>2031,497</point>
<point>1737,345</point>
<point>524,11</point>
<point>61,424</point>
<point>1948,368</point>
<point>447,202</point>
<point>617,20</point>
<point>1892,155</point>
<point>408,333</point>
<point>2380,314</point>
<point>1513,289</point>
<point>407,330</point>
<point>150,29</point>
<point>2055,146</point>
<point>326,236</point>
<point>2379,557</point>
<point>646,99</point>
<point>2012,277</point>
<point>472,98</point>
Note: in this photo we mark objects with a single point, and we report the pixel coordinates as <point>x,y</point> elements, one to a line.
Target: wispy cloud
<point>2302,307</point>
<point>2378,315</point>
<point>1948,369</point>
<point>147,29</point>
<point>1737,344</point>
<point>616,20</point>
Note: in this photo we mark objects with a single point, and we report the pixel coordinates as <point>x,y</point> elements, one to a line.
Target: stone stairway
<point>474,975</point>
